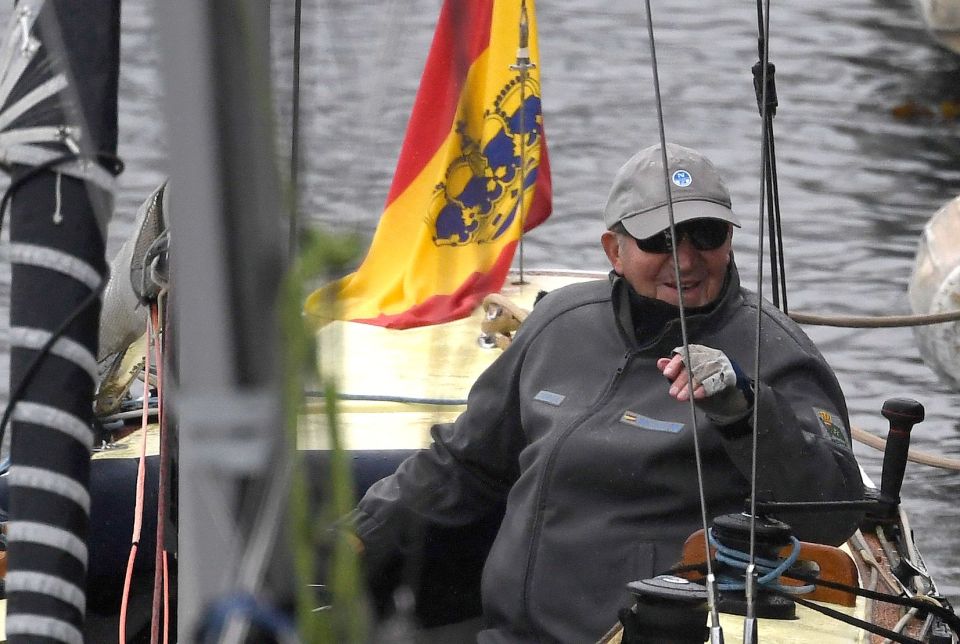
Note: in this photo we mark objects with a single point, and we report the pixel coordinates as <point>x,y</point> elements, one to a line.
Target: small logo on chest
<point>549,397</point>
<point>634,419</point>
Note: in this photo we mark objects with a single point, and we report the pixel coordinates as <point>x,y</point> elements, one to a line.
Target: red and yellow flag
<point>454,215</point>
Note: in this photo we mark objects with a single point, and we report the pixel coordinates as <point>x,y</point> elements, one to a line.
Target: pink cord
<point>160,596</point>
<point>141,477</point>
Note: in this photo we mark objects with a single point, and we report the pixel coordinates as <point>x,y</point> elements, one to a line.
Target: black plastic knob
<point>903,410</point>
<point>903,414</point>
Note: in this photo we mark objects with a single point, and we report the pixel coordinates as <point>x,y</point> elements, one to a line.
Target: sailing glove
<point>729,393</point>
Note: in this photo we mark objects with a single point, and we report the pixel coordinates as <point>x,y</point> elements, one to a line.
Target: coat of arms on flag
<point>472,174</point>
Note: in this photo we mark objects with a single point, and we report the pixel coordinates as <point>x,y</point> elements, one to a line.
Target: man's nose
<point>686,252</point>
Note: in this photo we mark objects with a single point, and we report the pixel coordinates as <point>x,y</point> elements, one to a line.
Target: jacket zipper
<point>544,478</point>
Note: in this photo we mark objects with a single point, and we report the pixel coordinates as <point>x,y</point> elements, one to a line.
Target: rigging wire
<point>765,88</point>
<point>749,627</point>
<point>716,635</point>
<point>294,232</point>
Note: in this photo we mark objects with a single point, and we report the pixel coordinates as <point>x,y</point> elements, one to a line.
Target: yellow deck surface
<point>810,627</point>
<point>434,362</point>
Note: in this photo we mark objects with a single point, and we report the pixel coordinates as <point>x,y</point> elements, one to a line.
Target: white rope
<point>82,169</point>
<point>38,478</point>
<point>45,90</point>
<point>44,584</point>
<point>55,260</point>
<point>57,213</point>
<point>63,347</point>
<point>56,419</point>
<point>43,626</point>
<point>50,536</point>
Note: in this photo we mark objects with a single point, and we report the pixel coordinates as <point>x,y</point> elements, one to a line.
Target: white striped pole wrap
<point>58,94</point>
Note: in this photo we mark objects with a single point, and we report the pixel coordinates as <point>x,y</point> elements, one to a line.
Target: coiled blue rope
<point>769,569</point>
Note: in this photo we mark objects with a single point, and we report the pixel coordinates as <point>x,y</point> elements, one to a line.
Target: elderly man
<point>577,427</point>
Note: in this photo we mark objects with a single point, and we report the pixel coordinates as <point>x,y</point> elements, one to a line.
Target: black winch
<point>668,610</point>
<point>770,536</point>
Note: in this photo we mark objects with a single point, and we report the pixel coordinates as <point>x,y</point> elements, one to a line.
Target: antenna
<point>523,65</point>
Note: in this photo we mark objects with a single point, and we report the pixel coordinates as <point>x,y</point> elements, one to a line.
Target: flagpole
<point>523,65</point>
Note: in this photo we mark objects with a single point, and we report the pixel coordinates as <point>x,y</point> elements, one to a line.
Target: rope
<point>875,321</point>
<point>921,602</point>
<point>843,617</point>
<point>914,455</point>
<point>138,508</point>
<point>112,163</point>
<point>41,355</point>
<point>770,570</point>
<point>160,580</point>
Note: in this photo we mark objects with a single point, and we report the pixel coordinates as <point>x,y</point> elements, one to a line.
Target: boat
<point>941,18</point>
<point>935,288</point>
<point>385,415</point>
<point>883,552</point>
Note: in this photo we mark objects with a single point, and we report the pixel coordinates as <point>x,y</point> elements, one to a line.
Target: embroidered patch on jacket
<point>549,397</point>
<point>832,425</point>
<point>634,419</point>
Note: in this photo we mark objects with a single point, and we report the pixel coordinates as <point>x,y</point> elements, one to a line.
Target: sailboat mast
<point>226,259</point>
<point>59,92</point>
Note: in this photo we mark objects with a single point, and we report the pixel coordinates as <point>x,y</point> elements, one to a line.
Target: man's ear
<point>611,246</point>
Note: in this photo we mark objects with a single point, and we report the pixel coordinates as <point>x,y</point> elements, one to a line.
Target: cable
<point>763,15</point>
<point>138,509</point>
<point>715,629</point>
<point>771,569</point>
<point>943,612</point>
<point>853,621</point>
<point>293,247</point>
<point>160,597</point>
<point>112,163</point>
<point>115,168</point>
<point>42,353</point>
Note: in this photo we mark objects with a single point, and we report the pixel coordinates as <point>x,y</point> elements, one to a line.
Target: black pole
<point>57,230</point>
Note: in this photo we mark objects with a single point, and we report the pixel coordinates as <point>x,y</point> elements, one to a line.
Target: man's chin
<point>692,297</point>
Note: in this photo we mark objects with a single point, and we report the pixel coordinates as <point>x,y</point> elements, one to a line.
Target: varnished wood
<point>835,565</point>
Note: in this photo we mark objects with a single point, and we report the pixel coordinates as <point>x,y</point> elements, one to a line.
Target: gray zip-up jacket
<point>573,426</point>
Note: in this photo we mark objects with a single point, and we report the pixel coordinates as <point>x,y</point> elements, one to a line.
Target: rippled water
<point>856,183</point>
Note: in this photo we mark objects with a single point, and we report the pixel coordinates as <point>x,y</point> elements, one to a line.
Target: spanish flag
<point>472,172</point>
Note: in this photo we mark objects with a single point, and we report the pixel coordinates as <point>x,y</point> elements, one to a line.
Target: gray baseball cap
<point>638,201</point>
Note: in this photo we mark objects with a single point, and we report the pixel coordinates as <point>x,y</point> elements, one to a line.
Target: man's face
<point>651,274</point>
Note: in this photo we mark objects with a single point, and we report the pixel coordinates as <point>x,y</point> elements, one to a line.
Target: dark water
<point>856,183</point>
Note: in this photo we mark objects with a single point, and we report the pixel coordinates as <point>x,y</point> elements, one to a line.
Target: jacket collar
<point>648,325</point>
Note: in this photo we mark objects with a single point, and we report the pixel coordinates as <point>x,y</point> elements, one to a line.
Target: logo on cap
<point>682,178</point>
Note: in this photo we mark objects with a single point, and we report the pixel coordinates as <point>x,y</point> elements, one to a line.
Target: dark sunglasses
<point>704,234</point>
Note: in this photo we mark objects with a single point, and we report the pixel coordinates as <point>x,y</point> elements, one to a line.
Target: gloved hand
<point>721,389</point>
